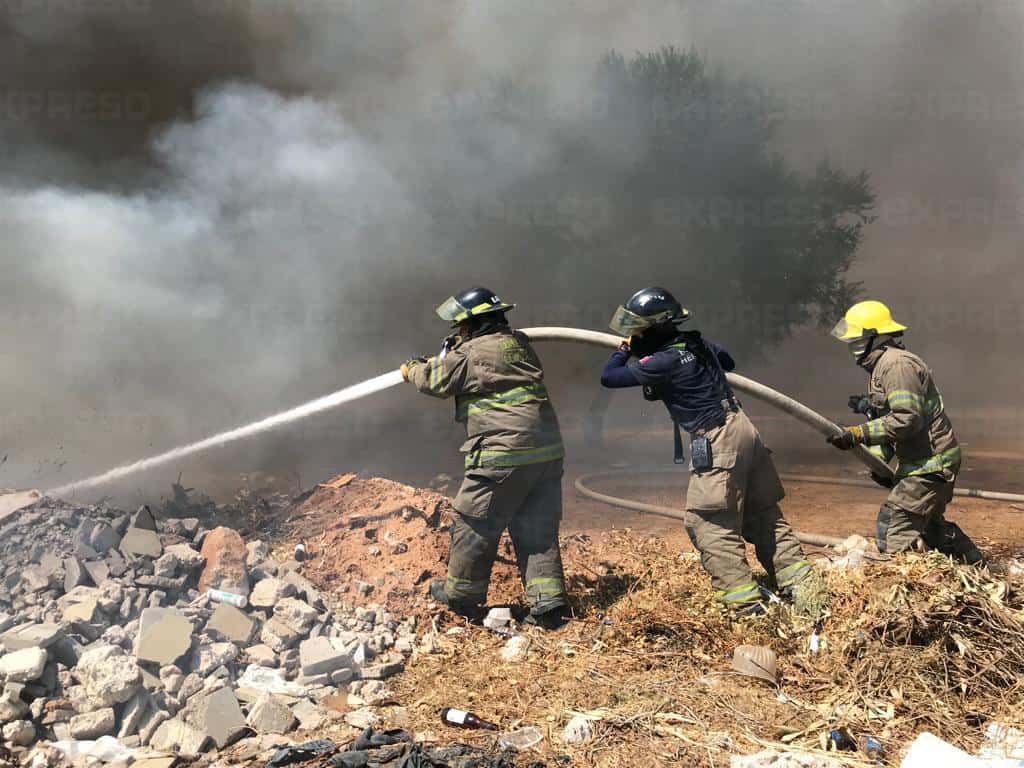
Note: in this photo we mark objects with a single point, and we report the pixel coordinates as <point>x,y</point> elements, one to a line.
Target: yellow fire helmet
<point>864,320</point>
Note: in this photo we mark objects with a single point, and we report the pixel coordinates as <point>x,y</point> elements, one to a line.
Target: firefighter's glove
<point>883,480</point>
<point>627,346</point>
<point>847,439</point>
<point>408,365</point>
<point>860,404</point>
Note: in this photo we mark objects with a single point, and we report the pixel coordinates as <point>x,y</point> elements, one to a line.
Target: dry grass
<point>916,644</point>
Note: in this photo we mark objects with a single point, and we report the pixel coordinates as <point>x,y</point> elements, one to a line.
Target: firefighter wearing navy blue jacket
<point>734,490</point>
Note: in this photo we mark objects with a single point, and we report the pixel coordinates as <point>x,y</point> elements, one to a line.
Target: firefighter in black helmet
<point>734,489</point>
<point>513,456</point>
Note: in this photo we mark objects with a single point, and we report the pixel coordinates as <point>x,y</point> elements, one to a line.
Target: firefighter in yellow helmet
<point>513,457</point>
<point>905,414</point>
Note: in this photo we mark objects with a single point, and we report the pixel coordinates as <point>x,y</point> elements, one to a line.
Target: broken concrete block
<point>296,614</point>
<point>6,621</point>
<point>143,519</point>
<point>225,569</point>
<point>30,635</point>
<point>103,538</point>
<point>230,623</point>
<point>175,735</point>
<point>305,587</point>
<point>188,558</point>
<point>21,733</point>
<point>116,564</point>
<point>74,573</point>
<point>108,674</point>
<point>98,570</point>
<point>270,715</point>
<point>261,655</point>
<point>23,666</point>
<point>166,565</point>
<point>278,635</point>
<point>134,713</point>
<point>358,718</point>
<point>164,635</point>
<point>268,592</point>
<point>92,725</point>
<point>140,542</point>
<point>11,705</point>
<point>209,657</point>
<point>216,714</point>
<point>318,657</point>
<point>256,552</point>
<point>384,669</point>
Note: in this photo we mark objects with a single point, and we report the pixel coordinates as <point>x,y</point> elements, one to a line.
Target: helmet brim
<point>452,311</point>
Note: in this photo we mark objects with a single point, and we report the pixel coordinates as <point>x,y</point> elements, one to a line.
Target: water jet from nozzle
<point>355,392</point>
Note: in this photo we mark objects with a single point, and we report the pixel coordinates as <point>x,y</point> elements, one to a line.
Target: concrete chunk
<point>103,538</point>
<point>98,570</point>
<point>231,624</point>
<point>318,657</point>
<point>296,614</point>
<point>108,674</point>
<point>225,569</point>
<point>217,715</point>
<point>31,635</point>
<point>267,592</point>
<point>175,735</point>
<point>74,574</point>
<point>139,542</point>
<point>92,725</point>
<point>164,635</point>
<point>144,519</point>
<point>278,635</point>
<point>23,666</point>
<point>270,715</point>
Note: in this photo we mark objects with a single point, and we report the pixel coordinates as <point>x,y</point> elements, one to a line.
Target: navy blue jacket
<point>675,376</point>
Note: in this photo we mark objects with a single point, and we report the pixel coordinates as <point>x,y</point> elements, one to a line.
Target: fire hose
<point>764,393</point>
<point>391,379</point>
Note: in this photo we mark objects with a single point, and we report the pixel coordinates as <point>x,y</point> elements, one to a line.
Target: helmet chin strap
<point>861,348</point>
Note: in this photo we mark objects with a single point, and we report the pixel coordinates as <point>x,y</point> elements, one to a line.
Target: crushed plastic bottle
<point>520,739</point>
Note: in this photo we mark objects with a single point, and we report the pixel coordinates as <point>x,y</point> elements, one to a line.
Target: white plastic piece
<point>270,681</point>
<point>928,751</point>
<point>579,730</point>
<point>524,738</point>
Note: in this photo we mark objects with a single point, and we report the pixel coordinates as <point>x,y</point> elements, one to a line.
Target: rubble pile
<point>121,632</point>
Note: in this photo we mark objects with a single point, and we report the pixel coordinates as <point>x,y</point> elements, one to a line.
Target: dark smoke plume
<point>212,209</point>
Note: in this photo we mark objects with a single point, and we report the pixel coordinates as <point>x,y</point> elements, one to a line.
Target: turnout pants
<point>527,501</point>
<point>916,508</point>
<point>737,499</point>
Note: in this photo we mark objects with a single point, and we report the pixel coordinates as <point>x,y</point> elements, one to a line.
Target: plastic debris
<point>756,661</point>
<point>578,731</point>
<point>929,751</point>
<point>521,739</point>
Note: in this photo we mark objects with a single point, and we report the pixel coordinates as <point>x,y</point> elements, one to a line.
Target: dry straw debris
<point>914,644</point>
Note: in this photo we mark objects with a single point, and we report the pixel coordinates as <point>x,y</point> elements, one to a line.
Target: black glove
<point>860,404</point>
<point>847,439</point>
<point>882,480</point>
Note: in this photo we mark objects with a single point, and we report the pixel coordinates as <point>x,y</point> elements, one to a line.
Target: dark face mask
<point>653,339</point>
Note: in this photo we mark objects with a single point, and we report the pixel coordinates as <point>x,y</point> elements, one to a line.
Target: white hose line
<point>783,402</point>
<point>388,380</point>
<point>814,539</point>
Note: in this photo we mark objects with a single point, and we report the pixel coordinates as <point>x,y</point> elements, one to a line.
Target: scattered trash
<point>872,747</point>
<point>840,739</point>
<point>756,661</point>
<point>521,739</point>
<point>579,730</point>
<point>771,758</point>
<point>1003,742</point>
<point>499,620</point>
<point>463,719</point>
<point>928,751</point>
<point>220,596</point>
<point>516,648</point>
<point>299,753</point>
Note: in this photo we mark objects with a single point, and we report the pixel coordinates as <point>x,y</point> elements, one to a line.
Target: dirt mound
<point>375,540</point>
